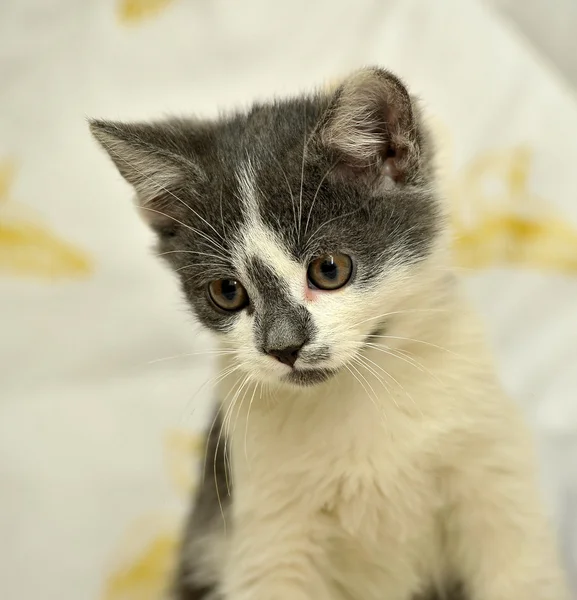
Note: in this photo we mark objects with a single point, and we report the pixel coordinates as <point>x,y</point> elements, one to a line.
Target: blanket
<point>104,376</point>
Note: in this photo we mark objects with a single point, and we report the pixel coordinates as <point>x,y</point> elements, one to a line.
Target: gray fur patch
<point>309,377</point>
<point>309,189</point>
<point>280,323</point>
<point>213,497</point>
<point>316,355</point>
<point>452,592</point>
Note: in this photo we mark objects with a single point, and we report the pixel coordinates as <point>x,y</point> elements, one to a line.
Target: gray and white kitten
<point>363,448</point>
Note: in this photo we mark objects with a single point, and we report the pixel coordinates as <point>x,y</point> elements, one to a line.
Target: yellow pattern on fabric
<point>151,544</point>
<point>134,11</point>
<point>146,577</point>
<point>497,220</point>
<point>28,249</point>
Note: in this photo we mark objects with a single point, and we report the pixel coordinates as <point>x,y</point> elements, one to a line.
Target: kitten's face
<point>294,228</point>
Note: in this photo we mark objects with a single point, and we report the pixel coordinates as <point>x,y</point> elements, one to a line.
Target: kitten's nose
<point>287,356</point>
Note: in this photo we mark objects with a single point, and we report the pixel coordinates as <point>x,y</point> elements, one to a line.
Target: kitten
<point>363,448</point>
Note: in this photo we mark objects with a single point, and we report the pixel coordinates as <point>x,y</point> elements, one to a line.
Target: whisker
<point>247,388</point>
<point>400,386</point>
<point>212,381</point>
<point>225,458</point>
<point>215,381</point>
<point>431,344</point>
<point>180,252</point>
<point>221,215</point>
<point>208,437</point>
<point>159,185</point>
<point>312,236</point>
<point>349,367</point>
<point>226,425</point>
<point>189,354</point>
<point>283,172</point>
<point>315,196</point>
<point>399,312</point>
<point>385,372</point>
<point>362,360</point>
<point>216,245</point>
<point>228,437</point>
<point>224,265</point>
<point>247,417</point>
<point>402,355</point>
<point>211,273</point>
<point>302,175</point>
<point>357,360</point>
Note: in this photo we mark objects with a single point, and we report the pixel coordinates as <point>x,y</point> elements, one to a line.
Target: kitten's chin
<point>308,377</point>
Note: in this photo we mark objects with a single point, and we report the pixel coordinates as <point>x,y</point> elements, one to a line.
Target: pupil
<point>329,269</point>
<point>229,289</point>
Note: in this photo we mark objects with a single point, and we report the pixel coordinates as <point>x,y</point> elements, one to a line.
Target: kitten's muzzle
<point>287,356</point>
<point>283,332</point>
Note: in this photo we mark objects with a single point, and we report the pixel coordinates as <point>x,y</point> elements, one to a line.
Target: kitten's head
<point>294,228</point>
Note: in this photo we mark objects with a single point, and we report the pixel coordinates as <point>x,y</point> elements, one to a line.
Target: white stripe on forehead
<point>259,241</point>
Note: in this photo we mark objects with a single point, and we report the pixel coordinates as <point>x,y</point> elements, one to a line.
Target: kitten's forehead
<point>271,135</point>
<point>275,279</point>
<point>257,240</point>
<point>254,166</point>
<point>266,186</point>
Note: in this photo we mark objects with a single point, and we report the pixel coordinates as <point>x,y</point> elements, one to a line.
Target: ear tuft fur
<point>372,128</point>
<point>139,157</point>
<point>150,157</point>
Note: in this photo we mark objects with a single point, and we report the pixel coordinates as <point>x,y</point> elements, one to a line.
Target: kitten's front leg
<point>276,554</point>
<point>499,537</point>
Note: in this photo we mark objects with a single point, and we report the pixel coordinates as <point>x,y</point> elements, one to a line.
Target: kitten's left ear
<point>155,158</point>
<point>372,130</point>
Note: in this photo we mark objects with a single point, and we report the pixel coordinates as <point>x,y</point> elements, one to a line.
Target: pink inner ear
<point>394,162</point>
<point>391,170</point>
<point>371,125</point>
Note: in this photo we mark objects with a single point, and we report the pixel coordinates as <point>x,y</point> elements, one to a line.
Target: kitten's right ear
<point>372,131</point>
<point>152,158</point>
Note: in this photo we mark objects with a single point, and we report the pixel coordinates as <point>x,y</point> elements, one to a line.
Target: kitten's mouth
<point>309,376</point>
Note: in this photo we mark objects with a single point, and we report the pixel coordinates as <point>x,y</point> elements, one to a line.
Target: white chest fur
<point>387,483</point>
<point>362,463</point>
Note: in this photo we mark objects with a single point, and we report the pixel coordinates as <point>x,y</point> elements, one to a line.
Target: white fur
<point>403,470</point>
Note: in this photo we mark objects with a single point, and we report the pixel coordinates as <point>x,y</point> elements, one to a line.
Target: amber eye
<point>330,272</point>
<point>228,294</point>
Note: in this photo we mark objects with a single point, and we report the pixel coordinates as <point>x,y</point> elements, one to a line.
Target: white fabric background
<point>82,410</point>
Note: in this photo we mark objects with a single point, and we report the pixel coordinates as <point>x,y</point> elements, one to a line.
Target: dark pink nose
<point>287,356</point>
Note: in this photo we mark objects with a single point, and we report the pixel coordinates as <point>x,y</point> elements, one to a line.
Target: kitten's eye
<point>228,294</point>
<point>330,272</point>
